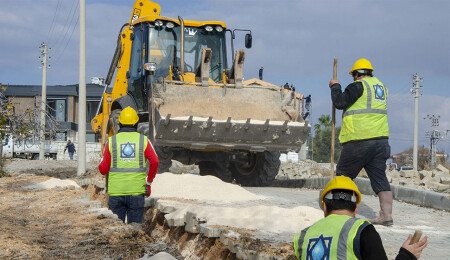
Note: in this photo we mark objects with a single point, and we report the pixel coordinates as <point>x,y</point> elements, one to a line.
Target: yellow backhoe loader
<point>193,107</point>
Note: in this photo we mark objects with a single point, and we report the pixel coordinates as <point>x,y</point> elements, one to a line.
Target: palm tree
<point>324,121</point>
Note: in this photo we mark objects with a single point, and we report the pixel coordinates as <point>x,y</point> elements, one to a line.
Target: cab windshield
<point>161,45</point>
<point>165,49</point>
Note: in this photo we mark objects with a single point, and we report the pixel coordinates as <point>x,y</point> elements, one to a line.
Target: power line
<point>67,25</point>
<point>68,40</point>
<point>404,88</point>
<point>50,30</point>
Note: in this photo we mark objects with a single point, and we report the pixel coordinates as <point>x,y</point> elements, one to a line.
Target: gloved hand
<point>148,190</point>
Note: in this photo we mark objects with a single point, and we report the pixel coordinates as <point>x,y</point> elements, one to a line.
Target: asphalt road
<point>407,218</point>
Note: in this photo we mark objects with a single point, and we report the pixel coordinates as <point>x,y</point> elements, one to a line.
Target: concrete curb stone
<point>415,196</point>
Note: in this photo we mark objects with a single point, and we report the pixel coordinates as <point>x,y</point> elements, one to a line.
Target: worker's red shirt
<point>149,153</point>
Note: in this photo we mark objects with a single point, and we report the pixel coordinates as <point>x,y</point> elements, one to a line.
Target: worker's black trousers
<point>370,155</point>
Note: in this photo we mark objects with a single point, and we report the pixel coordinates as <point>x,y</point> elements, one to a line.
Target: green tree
<point>322,141</point>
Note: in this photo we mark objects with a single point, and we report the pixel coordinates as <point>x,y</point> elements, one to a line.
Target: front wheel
<point>165,158</point>
<point>220,169</point>
<point>260,170</point>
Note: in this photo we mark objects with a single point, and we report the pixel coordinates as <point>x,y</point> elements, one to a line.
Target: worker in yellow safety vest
<point>340,235</point>
<point>124,160</point>
<point>365,132</point>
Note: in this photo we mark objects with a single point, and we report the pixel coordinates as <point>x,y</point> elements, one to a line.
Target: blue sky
<point>295,41</point>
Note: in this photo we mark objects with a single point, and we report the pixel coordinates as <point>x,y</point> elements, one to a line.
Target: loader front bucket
<point>249,118</point>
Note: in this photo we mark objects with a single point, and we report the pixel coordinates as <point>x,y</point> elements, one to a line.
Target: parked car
<point>405,168</point>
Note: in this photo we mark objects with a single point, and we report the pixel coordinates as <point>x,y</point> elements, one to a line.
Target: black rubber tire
<point>206,168</point>
<point>261,170</point>
<point>165,158</point>
<point>220,169</point>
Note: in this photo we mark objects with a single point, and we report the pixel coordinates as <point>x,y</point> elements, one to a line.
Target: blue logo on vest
<point>379,92</point>
<point>128,151</point>
<point>319,248</point>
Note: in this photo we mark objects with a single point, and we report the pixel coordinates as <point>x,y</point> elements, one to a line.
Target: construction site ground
<point>73,223</point>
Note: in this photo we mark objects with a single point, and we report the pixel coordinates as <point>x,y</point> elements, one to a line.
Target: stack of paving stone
<point>436,180</point>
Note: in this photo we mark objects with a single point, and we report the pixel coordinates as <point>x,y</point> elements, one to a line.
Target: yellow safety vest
<point>128,166</point>
<point>330,238</point>
<point>367,117</point>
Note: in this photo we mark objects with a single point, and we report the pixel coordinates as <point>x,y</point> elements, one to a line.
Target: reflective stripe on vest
<point>127,175</point>
<point>367,117</point>
<point>319,240</point>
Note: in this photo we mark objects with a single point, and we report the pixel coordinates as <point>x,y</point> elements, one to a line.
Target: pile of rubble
<point>437,179</point>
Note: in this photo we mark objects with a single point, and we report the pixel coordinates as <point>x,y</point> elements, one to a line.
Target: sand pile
<point>196,187</point>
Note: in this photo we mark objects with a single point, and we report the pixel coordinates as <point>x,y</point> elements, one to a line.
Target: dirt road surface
<point>60,223</point>
<point>69,222</point>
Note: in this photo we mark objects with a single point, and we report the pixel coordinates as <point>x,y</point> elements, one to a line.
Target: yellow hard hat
<point>361,64</point>
<point>341,183</point>
<point>128,116</point>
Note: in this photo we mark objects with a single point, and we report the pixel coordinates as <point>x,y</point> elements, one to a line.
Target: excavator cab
<point>158,46</point>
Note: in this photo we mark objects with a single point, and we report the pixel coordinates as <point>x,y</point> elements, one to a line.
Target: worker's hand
<point>332,82</point>
<point>148,190</point>
<point>416,248</point>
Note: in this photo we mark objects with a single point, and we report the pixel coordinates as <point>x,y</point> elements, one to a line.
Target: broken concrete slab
<point>409,174</point>
<point>442,169</point>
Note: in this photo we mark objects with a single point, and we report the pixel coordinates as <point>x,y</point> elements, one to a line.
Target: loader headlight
<point>208,28</point>
<point>158,23</point>
<point>219,28</point>
<point>170,25</point>
<point>150,66</point>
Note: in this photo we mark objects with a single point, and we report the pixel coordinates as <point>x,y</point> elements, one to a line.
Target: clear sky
<point>295,41</point>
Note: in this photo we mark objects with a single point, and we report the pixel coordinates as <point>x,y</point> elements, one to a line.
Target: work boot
<point>385,217</point>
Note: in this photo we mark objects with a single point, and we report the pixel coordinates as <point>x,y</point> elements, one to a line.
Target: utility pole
<point>435,136</point>
<point>44,52</point>
<point>415,90</point>
<point>82,93</point>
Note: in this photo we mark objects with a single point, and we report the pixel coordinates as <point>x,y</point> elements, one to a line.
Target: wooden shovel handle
<point>333,124</point>
<point>416,237</point>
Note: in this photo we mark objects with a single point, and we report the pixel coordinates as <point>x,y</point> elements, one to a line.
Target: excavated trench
<point>232,243</point>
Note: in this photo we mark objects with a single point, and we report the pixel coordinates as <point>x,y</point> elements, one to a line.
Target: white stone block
<point>445,179</point>
<point>442,169</point>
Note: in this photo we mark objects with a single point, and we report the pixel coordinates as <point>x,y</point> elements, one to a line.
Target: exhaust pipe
<point>182,45</point>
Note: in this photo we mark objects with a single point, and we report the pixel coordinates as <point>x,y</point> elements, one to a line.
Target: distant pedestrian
<point>308,102</point>
<point>124,160</point>
<point>292,88</point>
<point>261,73</point>
<point>70,147</point>
<point>286,86</point>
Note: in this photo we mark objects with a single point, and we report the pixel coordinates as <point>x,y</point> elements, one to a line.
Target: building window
<point>57,108</point>
<point>91,109</point>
